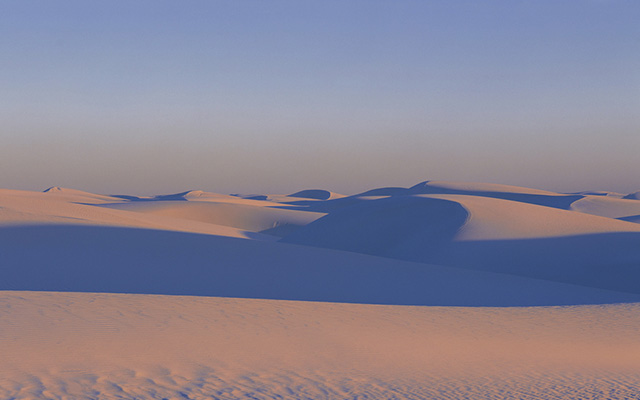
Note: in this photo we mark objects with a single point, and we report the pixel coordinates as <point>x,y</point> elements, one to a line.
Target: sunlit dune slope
<point>610,207</point>
<point>270,220</point>
<point>18,208</point>
<point>72,195</point>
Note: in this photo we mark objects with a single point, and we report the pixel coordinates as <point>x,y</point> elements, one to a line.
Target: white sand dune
<point>506,192</point>
<point>429,264</point>
<point>610,207</point>
<point>76,196</point>
<point>487,234</point>
<point>633,196</point>
<point>444,187</point>
<point>18,208</point>
<point>265,219</point>
<point>108,346</point>
<point>515,193</point>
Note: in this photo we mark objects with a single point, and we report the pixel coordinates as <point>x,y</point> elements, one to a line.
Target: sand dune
<point>514,193</point>
<point>453,251</point>
<point>18,208</point>
<point>445,187</point>
<point>506,192</point>
<point>607,206</point>
<point>268,220</point>
<point>77,196</point>
<point>633,196</point>
<point>487,234</point>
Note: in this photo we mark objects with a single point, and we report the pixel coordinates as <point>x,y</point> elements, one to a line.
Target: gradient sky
<point>147,97</point>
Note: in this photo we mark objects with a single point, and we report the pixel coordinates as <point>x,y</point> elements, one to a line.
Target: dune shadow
<point>631,218</point>
<point>330,205</point>
<point>127,260</point>
<point>605,260</point>
<point>385,227</point>
<point>316,194</point>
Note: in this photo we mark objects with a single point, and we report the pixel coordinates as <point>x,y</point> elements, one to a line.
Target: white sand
<point>70,345</point>
<point>441,246</point>
<point>610,207</point>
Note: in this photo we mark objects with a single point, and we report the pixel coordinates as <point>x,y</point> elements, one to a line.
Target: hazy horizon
<point>236,97</point>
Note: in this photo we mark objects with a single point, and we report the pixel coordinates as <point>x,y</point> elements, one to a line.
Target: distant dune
<point>485,233</point>
<point>633,196</point>
<point>465,290</point>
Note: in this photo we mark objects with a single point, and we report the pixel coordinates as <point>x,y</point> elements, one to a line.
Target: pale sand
<point>71,207</point>
<point>434,244</point>
<point>110,346</point>
<point>610,207</point>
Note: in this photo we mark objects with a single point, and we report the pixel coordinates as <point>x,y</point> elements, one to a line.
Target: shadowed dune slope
<point>487,234</point>
<point>104,259</point>
<point>631,218</point>
<point>315,194</point>
<point>382,226</point>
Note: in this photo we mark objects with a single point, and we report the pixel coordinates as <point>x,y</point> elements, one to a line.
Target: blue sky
<point>276,96</point>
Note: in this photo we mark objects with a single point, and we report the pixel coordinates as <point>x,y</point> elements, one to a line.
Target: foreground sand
<point>112,346</point>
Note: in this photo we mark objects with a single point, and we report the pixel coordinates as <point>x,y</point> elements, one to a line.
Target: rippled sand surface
<point>115,346</point>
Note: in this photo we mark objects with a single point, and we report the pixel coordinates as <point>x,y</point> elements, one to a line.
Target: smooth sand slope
<point>72,207</point>
<point>610,207</point>
<point>125,260</point>
<point>442,271</point>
